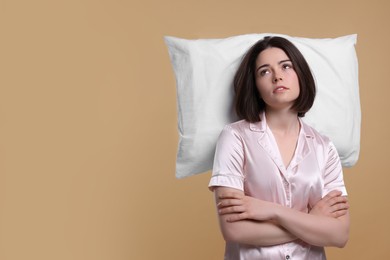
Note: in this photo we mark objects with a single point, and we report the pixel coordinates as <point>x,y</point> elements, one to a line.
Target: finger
<point>337,200</point>
<point>229,202</point>
<point>339,213</point>
<point>230,195</point>
<point>230,210</point>
<point>339,207</point>
<point>236,217</point>
<point>332,194</point>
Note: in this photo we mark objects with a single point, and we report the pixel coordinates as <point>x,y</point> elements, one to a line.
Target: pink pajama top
<point>247,158</point>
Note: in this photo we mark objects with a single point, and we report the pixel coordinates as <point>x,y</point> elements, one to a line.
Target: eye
<point>263,72</point>
<point>287,66</point>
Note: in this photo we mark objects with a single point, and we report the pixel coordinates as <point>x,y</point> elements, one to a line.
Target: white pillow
<point>204,71</point>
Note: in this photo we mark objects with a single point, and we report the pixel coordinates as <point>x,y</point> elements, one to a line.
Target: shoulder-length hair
<point>247,101</point>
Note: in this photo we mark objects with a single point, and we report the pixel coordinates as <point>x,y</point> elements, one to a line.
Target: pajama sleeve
<point>229,159</point>
<point>333,176</point>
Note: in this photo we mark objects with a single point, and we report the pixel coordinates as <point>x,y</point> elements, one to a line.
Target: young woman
<point>278,183</point>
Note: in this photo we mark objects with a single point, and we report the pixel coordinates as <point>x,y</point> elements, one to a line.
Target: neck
<point>283,122</point>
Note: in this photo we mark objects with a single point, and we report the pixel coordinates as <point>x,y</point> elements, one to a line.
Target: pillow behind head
<point>205,69</point>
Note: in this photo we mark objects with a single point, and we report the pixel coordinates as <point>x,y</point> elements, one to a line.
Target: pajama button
<point>287,257</point>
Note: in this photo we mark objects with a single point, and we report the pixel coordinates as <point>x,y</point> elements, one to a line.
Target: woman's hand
<point>332,205</point>
<point>240,207</point>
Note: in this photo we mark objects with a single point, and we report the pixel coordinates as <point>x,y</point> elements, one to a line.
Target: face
<point>276,79</point>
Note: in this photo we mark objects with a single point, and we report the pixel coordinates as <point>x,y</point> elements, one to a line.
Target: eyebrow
<point>267,65</point>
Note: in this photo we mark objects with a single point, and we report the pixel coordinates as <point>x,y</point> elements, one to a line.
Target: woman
<point>278,183</point>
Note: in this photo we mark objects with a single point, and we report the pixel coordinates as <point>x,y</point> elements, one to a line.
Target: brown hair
<point>247,100</point>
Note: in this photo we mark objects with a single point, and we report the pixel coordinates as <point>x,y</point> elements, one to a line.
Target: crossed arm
<point>247,220</point>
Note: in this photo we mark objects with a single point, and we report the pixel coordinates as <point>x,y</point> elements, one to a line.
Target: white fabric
<point>204,71</point>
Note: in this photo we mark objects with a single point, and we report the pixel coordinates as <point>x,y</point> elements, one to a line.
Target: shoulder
<point>238,124</point>
<point>234,132</point>
<point>321,142</point>
<point>238,127</point>
<point>314,134</point>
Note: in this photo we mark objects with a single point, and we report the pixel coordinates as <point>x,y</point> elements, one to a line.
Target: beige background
<point>88,125</point>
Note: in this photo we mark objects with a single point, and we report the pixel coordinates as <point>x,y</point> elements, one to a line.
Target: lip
<point>280,89</point>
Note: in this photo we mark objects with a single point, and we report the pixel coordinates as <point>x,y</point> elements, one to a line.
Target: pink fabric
<point>247,158</point>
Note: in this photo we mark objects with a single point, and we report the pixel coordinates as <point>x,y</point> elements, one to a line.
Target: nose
<point>277,78</point>
<point>277,75</point>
